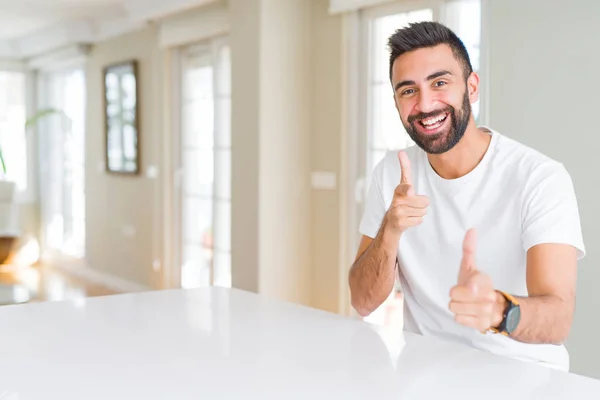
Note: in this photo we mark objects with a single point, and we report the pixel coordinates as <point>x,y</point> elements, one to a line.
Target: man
<point>483,231</point>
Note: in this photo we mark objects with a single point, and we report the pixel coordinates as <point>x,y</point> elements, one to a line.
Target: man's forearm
<point>372,275</point>
<point>544,319</point>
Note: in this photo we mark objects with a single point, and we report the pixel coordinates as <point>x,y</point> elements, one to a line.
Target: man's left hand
<point>473,300</point>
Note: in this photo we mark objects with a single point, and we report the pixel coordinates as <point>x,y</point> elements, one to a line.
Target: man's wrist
<point>389,236</point>
<point>499,307</point>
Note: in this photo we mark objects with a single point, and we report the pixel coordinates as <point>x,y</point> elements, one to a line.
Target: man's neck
<point>463,157</point>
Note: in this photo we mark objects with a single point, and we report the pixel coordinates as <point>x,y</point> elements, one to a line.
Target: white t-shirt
<point>516,198</point>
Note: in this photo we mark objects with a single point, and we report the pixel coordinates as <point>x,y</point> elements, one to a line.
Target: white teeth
<point>432,121</point>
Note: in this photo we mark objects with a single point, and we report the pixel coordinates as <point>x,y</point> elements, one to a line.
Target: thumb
<point>406,177</point>
<point>467,264</point>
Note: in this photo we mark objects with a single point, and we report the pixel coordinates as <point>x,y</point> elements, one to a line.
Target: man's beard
<point>443,141</point>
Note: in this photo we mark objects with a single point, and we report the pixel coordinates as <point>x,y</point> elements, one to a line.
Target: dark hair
<point>428,34</point>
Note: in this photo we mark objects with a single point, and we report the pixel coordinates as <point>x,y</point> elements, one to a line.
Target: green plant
<point>31,121</point>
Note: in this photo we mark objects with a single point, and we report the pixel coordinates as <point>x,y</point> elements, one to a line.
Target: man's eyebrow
<point>429,78</point>
<point>403,83</point>
<point>438,74</point>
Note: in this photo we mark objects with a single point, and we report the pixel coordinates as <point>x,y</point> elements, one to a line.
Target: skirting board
<point>107,280</point>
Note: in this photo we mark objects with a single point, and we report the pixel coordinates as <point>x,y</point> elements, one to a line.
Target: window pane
<point>223,226</point>
<point>223,122</point>
<point>222,268</point>
<point>195,268</point>
<point>198,78</point>
<point>199,172</point>
<point>387,129</point>
<point>129,141</point>
<point>382,29</point>
<point>464,17</point>
<point>223,174</point>
<point>224,84</point>
<point>197,225</point>
<point>198,123</point>
<point>115,155</point>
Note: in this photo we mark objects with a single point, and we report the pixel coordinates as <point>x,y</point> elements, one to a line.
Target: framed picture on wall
<point>121,116</point>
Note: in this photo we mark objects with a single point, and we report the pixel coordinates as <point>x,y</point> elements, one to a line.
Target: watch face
<point>512,319</point>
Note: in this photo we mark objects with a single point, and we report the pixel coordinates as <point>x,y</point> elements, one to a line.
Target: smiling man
<point>483,231</point>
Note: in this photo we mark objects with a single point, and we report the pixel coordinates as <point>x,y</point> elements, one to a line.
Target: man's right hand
<point>407,209</point>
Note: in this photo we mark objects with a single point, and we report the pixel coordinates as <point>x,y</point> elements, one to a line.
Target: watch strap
<point>512,302</point>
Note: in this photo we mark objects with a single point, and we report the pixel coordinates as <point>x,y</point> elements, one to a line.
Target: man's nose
<point>425,102</point>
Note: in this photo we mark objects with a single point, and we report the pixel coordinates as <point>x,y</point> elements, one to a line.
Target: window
<point>205,155</point>
<point>380,121</point>
<point>62,157</point>
<point>12,127</point>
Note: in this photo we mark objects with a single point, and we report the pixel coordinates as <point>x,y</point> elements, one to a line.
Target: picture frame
<point>121,118</point>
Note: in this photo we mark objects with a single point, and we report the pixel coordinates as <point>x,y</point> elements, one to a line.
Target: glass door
<point>205,165</point>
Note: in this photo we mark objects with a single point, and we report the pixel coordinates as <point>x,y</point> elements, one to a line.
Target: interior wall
<point>543,66</point>
<point>326,65</point>
<point>285,120</point>
<point>123,225</point>
<point>245,140</point>
<point>270,42</point>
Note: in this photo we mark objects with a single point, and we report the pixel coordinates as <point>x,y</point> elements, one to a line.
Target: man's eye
<point>408,91</point>
<point>439,83</point>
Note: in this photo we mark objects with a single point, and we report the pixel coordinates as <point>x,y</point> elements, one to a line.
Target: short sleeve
<point>551,213</point>
<point>374,205</point>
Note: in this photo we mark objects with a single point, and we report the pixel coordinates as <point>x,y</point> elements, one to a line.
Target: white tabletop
<point>216,344</point>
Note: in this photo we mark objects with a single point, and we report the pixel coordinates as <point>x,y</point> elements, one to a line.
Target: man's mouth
<point>433,124</point>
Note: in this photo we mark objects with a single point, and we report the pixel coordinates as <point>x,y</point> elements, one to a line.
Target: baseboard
<point>80,269</point>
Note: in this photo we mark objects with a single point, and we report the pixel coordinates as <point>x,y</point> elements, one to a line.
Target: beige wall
<point>326,65</point>
<point>245,137</point>
<point>117,204</point>
<point>271,132</point>
<point>285,121</point>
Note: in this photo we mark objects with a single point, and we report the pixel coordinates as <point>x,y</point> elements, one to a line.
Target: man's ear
<point>473,87</point>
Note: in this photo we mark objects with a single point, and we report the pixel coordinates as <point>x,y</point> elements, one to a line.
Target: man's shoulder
<point>523,158</point>
<point>531,167</point>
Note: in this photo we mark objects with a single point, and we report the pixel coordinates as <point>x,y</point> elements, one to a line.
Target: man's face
<point>432,98</point>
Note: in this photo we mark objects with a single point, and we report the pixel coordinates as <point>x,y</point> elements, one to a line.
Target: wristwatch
<point>511,316</point>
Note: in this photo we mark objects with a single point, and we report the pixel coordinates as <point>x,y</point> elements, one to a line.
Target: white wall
<point>544,93</point>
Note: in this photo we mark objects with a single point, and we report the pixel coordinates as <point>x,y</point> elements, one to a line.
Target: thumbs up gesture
<point>406,209</point>
<point>473,300</point>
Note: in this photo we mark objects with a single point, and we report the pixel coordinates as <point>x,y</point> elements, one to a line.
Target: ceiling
<point>22,17</point>
<point>32,27</point>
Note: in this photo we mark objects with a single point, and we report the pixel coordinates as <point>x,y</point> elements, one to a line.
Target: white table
<point>221,344</point>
